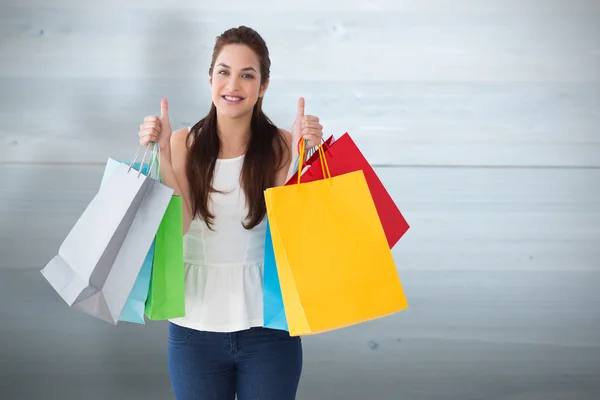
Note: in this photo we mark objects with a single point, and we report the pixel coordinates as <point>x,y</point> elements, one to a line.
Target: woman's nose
<point>232,83</point>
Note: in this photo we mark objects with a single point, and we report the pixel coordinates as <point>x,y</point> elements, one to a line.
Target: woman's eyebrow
<point>243,69</point>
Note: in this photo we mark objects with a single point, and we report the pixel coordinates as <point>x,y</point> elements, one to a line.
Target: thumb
<point>164,109</point>
<point>300,112</point>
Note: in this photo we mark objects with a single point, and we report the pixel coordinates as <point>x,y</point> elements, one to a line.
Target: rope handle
<point>324,165</point>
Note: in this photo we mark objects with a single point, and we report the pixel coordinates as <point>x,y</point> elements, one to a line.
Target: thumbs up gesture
<point>306,127</point>
<point>157,129</point>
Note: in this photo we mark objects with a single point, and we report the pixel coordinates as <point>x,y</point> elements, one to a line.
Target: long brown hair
<point>264,153</point>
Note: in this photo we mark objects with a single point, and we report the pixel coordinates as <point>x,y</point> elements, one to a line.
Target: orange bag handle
<point>324,165</point>
<point>322,141</point>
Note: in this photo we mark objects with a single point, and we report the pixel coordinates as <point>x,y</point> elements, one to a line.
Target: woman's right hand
<point>157,129</point>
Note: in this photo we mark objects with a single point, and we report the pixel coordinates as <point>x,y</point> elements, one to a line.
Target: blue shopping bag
<point>136,302</point>
<point>273,310</point>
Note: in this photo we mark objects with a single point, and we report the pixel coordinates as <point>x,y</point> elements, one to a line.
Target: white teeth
<point>232,98</point>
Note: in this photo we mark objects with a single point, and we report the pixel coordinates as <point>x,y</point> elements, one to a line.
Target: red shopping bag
<point>343,156</point>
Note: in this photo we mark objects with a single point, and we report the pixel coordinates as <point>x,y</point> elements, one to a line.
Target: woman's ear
<point>263,88</point>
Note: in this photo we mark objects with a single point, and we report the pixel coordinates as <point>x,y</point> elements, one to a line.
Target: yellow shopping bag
<point>333,260</point>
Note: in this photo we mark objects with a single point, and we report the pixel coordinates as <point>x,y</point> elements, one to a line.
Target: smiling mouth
<point>232,98</point>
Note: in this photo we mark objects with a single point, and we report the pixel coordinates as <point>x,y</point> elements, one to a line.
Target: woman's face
<point>235,82</point>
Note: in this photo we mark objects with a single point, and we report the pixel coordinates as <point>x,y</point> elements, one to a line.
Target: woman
<point>221,167</point>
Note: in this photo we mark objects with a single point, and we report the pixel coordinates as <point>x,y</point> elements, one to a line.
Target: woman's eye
<point>246,76</point>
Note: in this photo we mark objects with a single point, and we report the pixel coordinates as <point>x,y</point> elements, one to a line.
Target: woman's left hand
<point>306,127</point>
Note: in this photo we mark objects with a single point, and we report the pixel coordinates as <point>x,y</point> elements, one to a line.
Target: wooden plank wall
<point>481,117</point>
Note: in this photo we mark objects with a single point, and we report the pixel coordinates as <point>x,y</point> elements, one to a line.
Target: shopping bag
<point>98,262</point>
<point>344,156</point>
<point>133,311</point>
<point>273,309</point>
<point>167,286</point>
<point>135,306</point>
<point>334,264</point>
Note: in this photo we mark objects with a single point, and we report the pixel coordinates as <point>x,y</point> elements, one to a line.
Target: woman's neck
<point>234,135</point>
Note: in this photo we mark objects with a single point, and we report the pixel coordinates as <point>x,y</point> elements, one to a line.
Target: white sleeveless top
<point>224,267</point>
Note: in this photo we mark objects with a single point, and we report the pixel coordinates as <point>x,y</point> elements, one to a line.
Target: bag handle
<point>324,165</point>
<point>306,141</point>
<point>311,152</point>
<point>154,157</point>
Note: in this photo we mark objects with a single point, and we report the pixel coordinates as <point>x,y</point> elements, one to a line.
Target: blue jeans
<point>257,364</point>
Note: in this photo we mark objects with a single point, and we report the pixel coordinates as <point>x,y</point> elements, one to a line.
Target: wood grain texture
<point>499,84</point>
<point>461,218</point>
<point>379,45</point>
<point>394,123</point>
<point>491,6</point>
<point>482,117</point>
<point>505,335</point>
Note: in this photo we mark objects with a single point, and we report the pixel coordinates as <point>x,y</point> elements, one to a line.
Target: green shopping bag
<point>166,293</point>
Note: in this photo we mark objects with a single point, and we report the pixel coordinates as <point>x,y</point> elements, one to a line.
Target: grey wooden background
<point>482,118</point>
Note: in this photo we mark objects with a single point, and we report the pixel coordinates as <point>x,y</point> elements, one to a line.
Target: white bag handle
<point>154,154</point>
